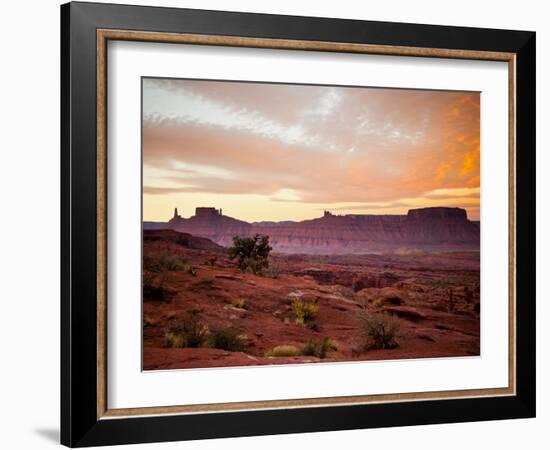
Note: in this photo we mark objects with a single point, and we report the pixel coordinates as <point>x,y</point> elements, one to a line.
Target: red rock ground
<point>413,287</point>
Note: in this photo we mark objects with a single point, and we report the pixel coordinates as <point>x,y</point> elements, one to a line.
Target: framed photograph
<point>277,224</point>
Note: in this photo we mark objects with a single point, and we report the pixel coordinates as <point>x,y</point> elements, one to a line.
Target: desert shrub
<point>170,262</point>
<point>273,270</point>
<point>173,339</point>
<point>304,312</point>
<point>319,348</point>
<point>148,321</point>
<point>378,331</point>
<point>165,262</point>
<point>284,350</point>
<point>310,349</point>
<point>227,339</point>
<point>154,290</point>
<point>239,303</point>
<point>189,332</point>
<point>251,253</point>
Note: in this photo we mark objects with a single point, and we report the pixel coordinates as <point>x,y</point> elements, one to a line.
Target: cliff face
<point>217,228</point>
<point>441,225</point>
<point>184,239</point>
<point>424,229</point>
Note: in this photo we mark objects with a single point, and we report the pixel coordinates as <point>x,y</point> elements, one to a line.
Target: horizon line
<point>326,213</point>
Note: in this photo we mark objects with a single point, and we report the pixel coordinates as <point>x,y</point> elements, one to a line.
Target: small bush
<point>326,345</point>
<point>253,265</point>
<point>239,303</point>
<point>165,262</point>
<point>320,348</point>
<point>148,321</point>
<point>170,262</point>
<point>174,340</point>
<point>273,270</point>
<point>153,289</point>
<point>304,312</point>
<point>191,332</point>
<point>227,339</point>
<point>310,349</point>
<point>284,350</point>
<point>378,331</point>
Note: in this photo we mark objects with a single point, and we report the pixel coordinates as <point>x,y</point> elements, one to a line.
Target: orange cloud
<point>326,145</point>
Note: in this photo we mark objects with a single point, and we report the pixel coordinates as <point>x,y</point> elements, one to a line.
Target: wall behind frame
<point>29,189</point>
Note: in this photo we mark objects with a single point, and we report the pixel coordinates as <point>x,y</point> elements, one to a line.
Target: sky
<point>263,151</point>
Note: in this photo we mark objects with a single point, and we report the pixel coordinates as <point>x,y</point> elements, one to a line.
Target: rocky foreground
<point>433,299</point>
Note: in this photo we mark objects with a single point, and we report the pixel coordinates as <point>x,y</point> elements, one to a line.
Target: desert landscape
<point>301,224</point>
<point>414,295</point>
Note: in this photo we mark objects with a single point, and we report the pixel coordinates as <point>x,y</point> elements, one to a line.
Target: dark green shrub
<point>378,331</point>
<point>310,349</point>
<point>319,348</point>
<point>170,262</point>
<point>154,290</point>
<point>190,332</point>
<point>165,262</point>
<point>227,339</point>
<point>326,345</point>
<point>251,253</point>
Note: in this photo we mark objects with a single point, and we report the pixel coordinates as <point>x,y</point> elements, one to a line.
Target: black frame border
<point>79,424</point>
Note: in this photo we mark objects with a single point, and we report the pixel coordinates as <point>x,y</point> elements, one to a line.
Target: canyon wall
<point>432,229</point>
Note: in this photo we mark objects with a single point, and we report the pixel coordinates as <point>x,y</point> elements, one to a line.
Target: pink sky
<point>287,152</point>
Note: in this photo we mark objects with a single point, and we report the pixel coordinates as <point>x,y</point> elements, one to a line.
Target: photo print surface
<point>289,223</point>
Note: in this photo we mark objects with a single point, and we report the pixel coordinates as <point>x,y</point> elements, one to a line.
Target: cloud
<point>311,144</point>
<point>468,192</point>
<point>371,206</point>
<point>165,109</point>
<point>327,105</point>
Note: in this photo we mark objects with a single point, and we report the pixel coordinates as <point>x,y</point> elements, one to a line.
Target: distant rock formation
<point>431,229</point>
<point>154,225</point>
<point>183,239</point>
